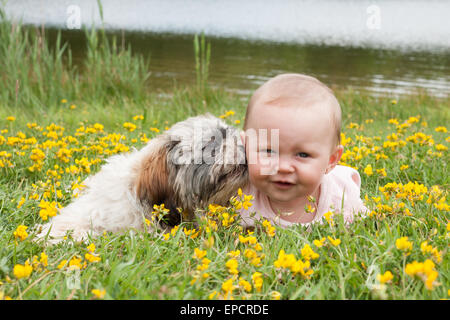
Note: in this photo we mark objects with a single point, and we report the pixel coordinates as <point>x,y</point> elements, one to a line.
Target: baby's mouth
<point>283,184</point>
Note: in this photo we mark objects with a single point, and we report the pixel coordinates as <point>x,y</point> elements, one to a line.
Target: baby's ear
<point>335,157</point>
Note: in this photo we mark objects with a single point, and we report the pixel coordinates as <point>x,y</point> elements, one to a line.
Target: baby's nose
<point>285,165</point>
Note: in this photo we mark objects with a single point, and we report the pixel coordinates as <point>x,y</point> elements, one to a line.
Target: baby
<point>292,141</point>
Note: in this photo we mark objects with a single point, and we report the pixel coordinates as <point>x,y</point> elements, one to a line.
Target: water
<point>399,48</point>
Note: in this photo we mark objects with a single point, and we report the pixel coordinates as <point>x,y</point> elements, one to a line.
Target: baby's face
<point>293,169</point>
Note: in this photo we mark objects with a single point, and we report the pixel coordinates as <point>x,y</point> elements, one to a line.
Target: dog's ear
<point>151,185</point>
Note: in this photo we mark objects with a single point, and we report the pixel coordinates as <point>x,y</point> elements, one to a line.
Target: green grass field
<point>59,123</point>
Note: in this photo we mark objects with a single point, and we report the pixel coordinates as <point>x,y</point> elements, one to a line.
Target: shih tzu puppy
<point>196,162</point>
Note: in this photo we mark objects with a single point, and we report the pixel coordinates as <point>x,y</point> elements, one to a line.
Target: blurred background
<point>387,48</point>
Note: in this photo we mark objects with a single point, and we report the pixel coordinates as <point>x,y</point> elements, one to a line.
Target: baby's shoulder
<point>345,176</point>
<point>341,189</point>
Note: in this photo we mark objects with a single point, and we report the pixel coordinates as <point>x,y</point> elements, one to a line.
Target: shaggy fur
<point>197,162</point>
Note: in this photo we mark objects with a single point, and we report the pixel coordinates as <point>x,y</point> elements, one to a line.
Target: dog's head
<point>197,162</point>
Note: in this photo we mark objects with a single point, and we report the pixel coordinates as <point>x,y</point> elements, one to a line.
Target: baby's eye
<point>303,155</point>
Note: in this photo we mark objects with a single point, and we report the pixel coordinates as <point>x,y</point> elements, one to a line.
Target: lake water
<point>383,47</point>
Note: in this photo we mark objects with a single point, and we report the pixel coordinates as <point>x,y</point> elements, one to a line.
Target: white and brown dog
<point>196,162</point>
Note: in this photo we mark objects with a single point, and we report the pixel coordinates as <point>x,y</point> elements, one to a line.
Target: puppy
<point>196,162</point>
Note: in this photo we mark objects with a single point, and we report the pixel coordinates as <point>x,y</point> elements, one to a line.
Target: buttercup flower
<point>99,294</point>
<point>21,232</point>
<point>232,265</point>
<point>334,242</point>
<point>257,281</point>
<point>385,277</point>
<point>199,254</point>
<point>22,271</point>
<point>403,244</point>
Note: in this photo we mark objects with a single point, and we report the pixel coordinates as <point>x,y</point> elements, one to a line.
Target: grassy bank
<point>58,124</point>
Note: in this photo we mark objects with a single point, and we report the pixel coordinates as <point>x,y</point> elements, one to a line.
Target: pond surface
<point>252,41</point>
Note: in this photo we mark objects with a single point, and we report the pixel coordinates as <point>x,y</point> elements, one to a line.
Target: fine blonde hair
<point>306,91</point>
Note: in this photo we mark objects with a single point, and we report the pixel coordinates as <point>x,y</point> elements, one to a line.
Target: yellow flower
<point>424,270</point>
<point>413,119</point>
<point>212,295</point>
<point>215,208</point>
<point>284,260</point>
<point>10,118</point>
<point>22,271</point>
<point>382,172</point>
<point>302,267</point>
<point>368,170</point>
<point>62,264</point>
<point>275,295</point>
<point>192,233</point>
<point>63,101</point>
<point>243,201</point>
<point>353,125</point>
<point>234,254</point>
<point>334,242</point>
<point>100,294</point>
<point>257,281</point>
<point>328,216</point>
<point>250,239</point>
<point>232,265</point>
<point>92,258</point>
<point>21,232</point>
<point>245,284</point>
<point>319,243</point>
<point>21,202</point>
<point>48,209</point>
<point>385,278</point>
<point>227,114</point>
<point>441,129</point>
<point>91,248</point>
<point>75,263</point>
<point>44,259</point>
<point>393,121</point>
<point>228,286</point>
<point>308,253</point>
<point>270,230</point>
<point>199,254</point>
<point>403,244</point>
<point>129,126</point>
<point>227,219</point>
<point>426,248</point>
<point>204,265</point>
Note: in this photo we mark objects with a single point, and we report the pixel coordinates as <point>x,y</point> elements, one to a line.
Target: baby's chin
<point>276,194</point>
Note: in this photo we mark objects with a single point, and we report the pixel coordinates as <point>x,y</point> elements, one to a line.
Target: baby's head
<point>296,91</point>
<point>307,117</point>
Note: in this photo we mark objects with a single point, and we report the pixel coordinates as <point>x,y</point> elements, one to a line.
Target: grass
<point>47,104</point>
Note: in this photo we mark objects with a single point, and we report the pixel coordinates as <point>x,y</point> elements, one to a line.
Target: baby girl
<point>292,140</point>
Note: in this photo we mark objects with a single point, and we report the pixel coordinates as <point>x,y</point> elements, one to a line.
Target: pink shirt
<point>340,188</point>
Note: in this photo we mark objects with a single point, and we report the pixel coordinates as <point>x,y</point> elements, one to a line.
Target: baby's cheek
<point>311,176</point>
<point>254,173</point>
<point>263,166</point>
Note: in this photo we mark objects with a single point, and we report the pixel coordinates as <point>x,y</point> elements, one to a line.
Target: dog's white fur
<point>124,191</point>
